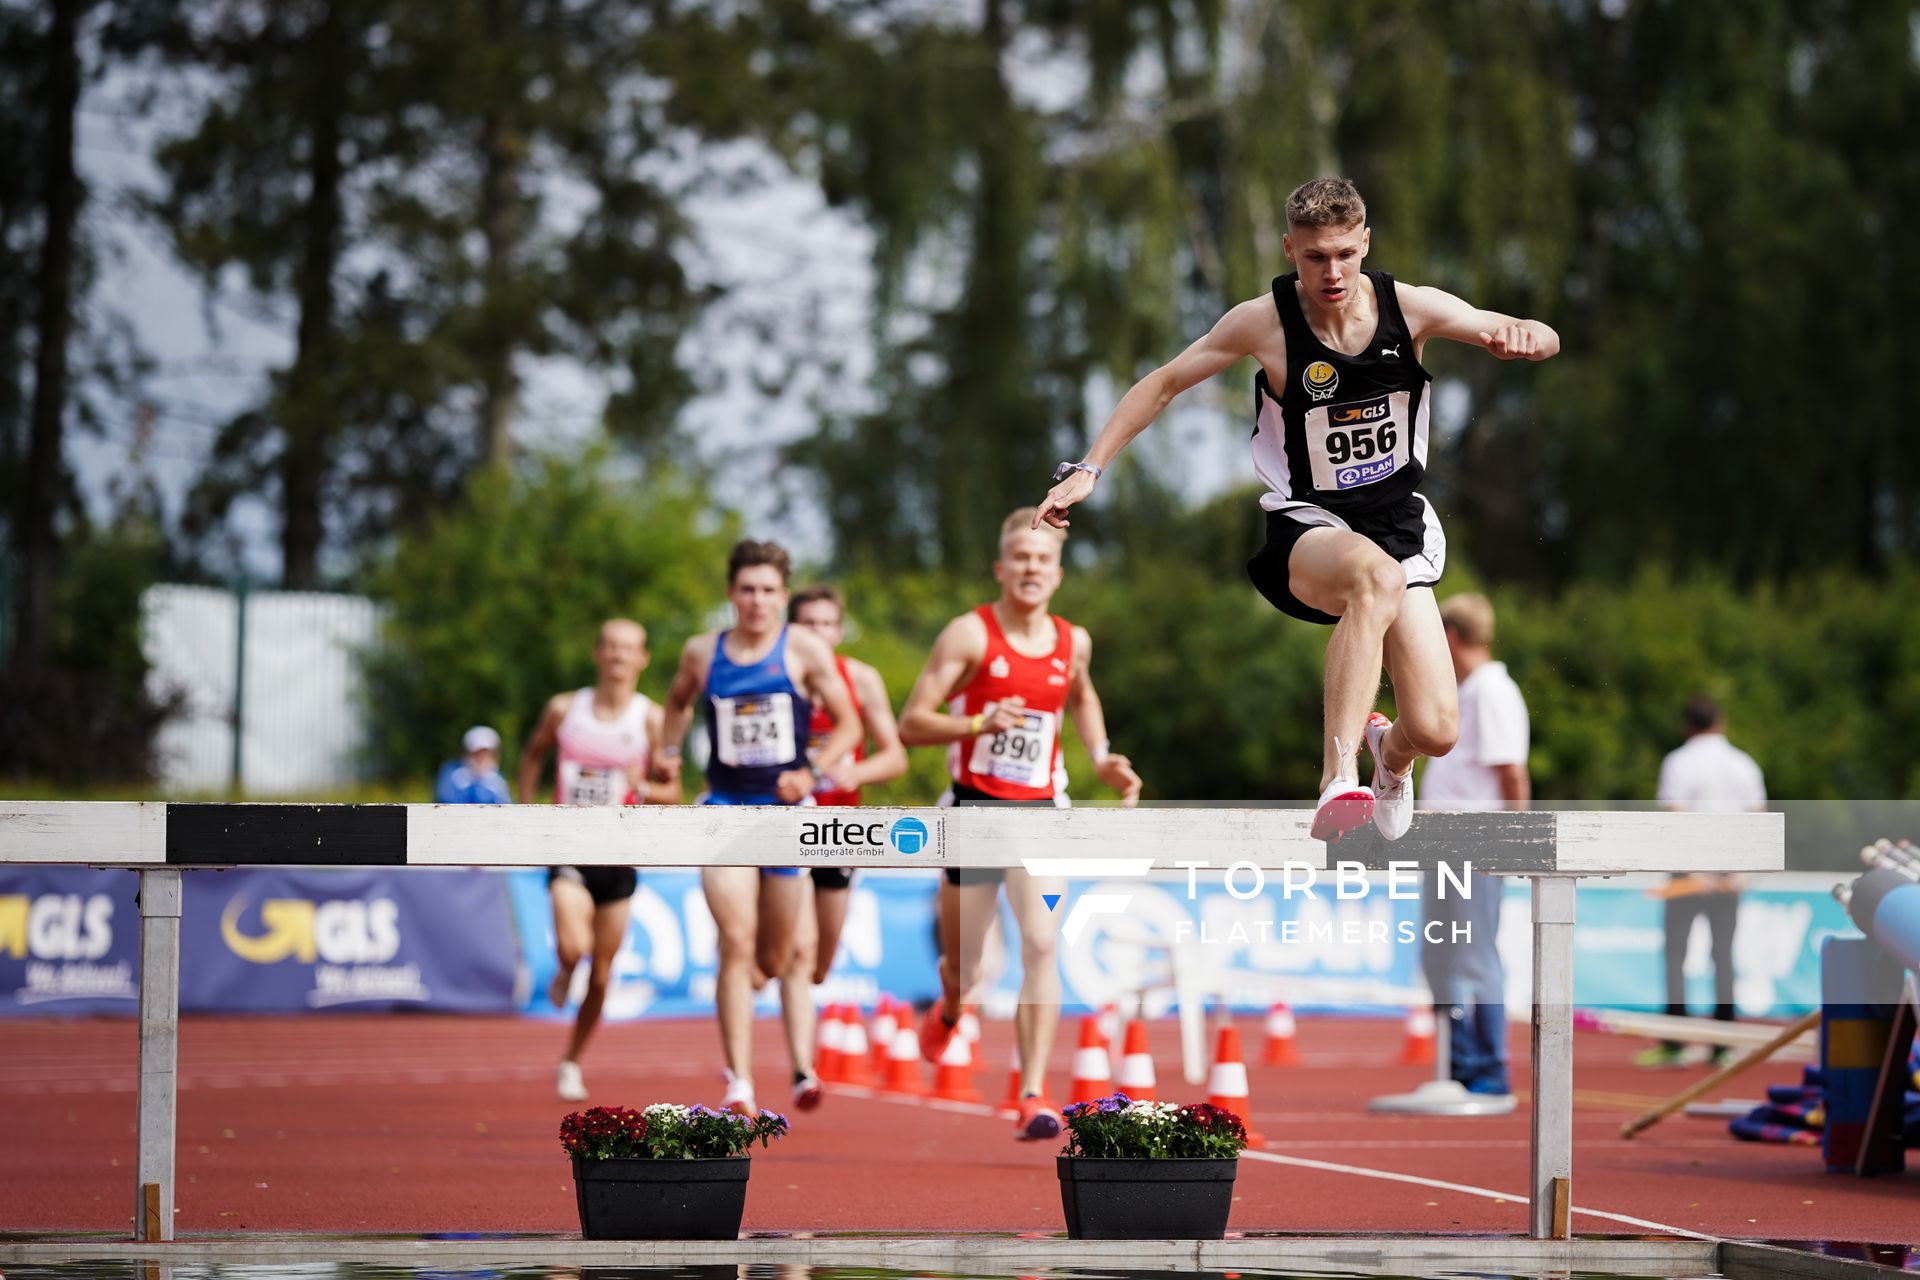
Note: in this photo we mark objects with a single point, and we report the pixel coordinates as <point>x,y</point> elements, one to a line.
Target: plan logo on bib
<point>1321,380</point>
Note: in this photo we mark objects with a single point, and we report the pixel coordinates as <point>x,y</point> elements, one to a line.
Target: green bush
<point>494,606</point>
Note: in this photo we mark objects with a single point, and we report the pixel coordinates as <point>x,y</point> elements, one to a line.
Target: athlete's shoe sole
<point>1345,806</point>
<point>806,1094</point>
<point>1037,1123</point>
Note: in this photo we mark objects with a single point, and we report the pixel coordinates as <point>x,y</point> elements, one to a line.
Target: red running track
<point>412,1123</point>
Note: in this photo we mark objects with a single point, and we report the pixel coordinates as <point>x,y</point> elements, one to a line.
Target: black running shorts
<point>1409,532</point>
<point>605,885</point>
<point>970,798</point>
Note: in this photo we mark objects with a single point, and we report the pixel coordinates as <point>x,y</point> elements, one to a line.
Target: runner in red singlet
<point>1007,671</point>
<point>821,610</point>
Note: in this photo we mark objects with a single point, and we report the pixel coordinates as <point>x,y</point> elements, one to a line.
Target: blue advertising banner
<point>1354,955</point>
<point>287,941</point>
<point>69,941</point>
<point>271,940</point>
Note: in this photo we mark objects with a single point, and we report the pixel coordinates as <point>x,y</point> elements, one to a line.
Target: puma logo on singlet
<point>1393,351</point>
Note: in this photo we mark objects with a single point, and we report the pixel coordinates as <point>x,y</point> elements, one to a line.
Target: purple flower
<point>1108,1106</point>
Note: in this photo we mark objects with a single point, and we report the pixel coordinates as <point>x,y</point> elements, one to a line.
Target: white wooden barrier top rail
<point>157,834</point>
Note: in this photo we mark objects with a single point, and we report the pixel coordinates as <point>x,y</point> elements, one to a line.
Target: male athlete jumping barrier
<point>1340,441</point>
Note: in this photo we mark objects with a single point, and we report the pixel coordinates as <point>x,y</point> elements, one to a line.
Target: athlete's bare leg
<point>797,1012</point>
<point>783,900</point>
<point>965,912</point>
<point>1038,1016</point>
<point>1343,574</point>
<point>733,896</point>
<point>572,935</point>
<point>1426,696</point>
<point>609,928</point>
<point>829,918</point>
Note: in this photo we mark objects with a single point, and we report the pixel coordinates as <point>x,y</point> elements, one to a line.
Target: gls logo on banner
<point>344,931</point>
<point>1089,905</point>
<point>852,834</point>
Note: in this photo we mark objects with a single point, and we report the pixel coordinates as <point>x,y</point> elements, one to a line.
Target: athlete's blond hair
<point>1326,202</point>
<point>1021,521</point>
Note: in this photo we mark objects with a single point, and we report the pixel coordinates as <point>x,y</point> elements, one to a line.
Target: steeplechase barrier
<point>1552,849</point>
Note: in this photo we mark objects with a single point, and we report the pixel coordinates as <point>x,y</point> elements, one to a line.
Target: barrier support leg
<point>159,1050</point>
<point>1552,1146</point>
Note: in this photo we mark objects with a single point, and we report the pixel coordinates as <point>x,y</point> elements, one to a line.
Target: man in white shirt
<point>1706,774</point>
<point>1485,771</point>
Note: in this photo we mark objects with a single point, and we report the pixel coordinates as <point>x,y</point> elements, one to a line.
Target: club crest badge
<point>1321,380</point>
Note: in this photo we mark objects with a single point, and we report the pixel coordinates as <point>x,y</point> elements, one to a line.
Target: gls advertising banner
<point>69,941</point>
<point>260,940</point>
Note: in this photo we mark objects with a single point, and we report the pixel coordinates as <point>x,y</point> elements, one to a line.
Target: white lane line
<point>1299,1162</point>
<point>1462,1189</point>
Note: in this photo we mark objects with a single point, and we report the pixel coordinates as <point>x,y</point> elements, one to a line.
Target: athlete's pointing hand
<point>1075,488</point>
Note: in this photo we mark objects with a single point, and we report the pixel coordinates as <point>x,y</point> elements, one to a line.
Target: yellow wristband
<point>973,725</point>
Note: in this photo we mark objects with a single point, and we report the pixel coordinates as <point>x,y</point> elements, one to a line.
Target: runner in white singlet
<point>603,735</point>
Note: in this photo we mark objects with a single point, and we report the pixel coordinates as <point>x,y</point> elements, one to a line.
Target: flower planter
<point>1146,1199</point>
<point>661,1199</point>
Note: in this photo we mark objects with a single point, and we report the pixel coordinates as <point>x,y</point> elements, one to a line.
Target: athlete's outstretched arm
<point>1239,333</point>
<point>889,758</point>
<point>1090,722</point>
<point>677,713</point>
<point>823,685</point>
<point>652,792</point>
<point>961,647</point>
<point>1435,313</point>
<point>533,756</point>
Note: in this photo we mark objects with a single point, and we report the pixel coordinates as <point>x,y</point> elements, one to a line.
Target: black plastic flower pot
<point>661,1199</point>
<point>1146,1199</point>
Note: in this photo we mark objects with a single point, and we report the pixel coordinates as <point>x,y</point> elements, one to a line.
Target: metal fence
<point>271,684</point>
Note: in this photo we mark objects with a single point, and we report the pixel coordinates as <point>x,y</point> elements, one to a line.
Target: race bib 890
<point>1022,755</point>
<point>1358,443</point>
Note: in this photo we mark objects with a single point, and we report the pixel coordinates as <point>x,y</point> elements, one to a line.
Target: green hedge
<point>1214,695</point>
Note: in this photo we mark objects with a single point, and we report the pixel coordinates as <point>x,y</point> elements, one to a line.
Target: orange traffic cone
<point>1227,1084</point>
<point>1137,1078</point>
<point>853,1046</point>
<point>830,1051</point>
<point>969,1025</point>
<point>885,1023</point>
<point>1416,1049</point>
<point>953,1076</point>
<point>903,1064</point>
<point>1092,1070</point>
<point>1280,1050</point>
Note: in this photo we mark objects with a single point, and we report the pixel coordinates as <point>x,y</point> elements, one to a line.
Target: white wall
<point>302,723</point>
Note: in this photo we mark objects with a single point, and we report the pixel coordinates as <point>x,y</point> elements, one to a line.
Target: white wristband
<point>1098,751</point>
